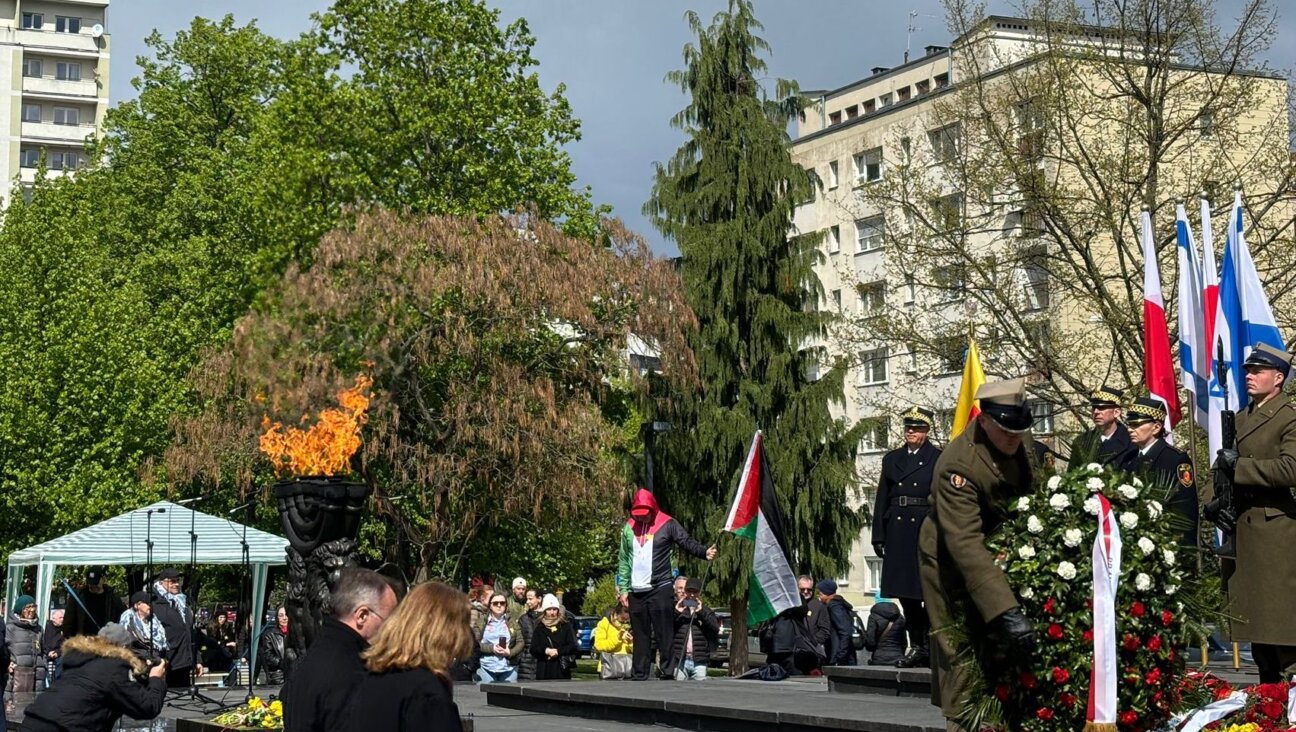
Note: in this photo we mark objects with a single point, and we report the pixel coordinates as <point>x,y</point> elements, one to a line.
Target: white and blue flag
<point>1194,362</point>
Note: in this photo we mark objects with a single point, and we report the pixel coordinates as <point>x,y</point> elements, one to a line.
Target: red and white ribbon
<point>1103,680</point>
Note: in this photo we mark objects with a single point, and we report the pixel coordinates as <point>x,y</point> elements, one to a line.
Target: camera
<point>691,603</point>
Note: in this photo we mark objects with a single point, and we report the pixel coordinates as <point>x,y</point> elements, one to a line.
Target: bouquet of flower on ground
<point>1212,703</point>
<point>256,714</point>
<point>1045,548</point>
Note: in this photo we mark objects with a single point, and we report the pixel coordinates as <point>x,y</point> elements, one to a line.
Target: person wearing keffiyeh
<point>171,607</point>
<point>148,637</point>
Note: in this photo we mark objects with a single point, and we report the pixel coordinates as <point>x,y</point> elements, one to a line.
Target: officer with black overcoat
<point>903,500</point>
<point>1160,462</point>
<point>1108,441</point>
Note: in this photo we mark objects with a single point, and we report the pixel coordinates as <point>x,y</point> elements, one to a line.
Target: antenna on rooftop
<point>913,16</point>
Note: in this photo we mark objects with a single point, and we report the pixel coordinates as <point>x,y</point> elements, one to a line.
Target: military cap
<point>1265,356</point>
<point>919,417</point>
<point>1146,409</point>
<point>1005,403</point>
<point>1106,397</point>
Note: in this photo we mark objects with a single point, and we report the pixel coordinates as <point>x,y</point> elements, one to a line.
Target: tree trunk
<point>737,637</point>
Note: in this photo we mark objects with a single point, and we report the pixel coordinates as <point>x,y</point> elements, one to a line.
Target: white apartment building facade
<point>855,139</point>
<point>55,56</point>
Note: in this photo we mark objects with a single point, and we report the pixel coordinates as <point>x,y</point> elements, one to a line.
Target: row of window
<point>868,165</point>
<point>62,115</point>
<point>878,436</point>
<point>62,23</point>
<point>883,101</point>
<point>29,157</point>
<point>950,284</point>
<point>34,68</point>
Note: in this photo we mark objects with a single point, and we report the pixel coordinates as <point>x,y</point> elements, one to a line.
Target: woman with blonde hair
<point>409,686</point>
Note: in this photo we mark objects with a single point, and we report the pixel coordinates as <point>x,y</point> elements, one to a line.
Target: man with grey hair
<point>317,695</point>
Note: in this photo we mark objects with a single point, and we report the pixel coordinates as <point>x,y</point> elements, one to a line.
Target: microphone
<point>236,509</point>
<point>156,510</point>
<point>188,501</point>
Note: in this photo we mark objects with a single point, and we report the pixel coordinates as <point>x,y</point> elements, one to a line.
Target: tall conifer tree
<point>727,199</point>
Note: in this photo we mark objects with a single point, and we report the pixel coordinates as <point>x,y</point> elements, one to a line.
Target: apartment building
<point>895,123</point>
<point>55,56</point>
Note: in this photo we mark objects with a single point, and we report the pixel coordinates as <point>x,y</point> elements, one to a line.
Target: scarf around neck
<point>179,600</point>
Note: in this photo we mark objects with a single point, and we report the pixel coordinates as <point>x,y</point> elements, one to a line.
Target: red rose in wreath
<point>1060,675</point>
<point>1154,643</point>
<point>1044,713</point>
<point>1128,718</point>
<point>1167,617</point>
<point>1131,642</point>
<point>1138,609</point>
<point>1055,631</point>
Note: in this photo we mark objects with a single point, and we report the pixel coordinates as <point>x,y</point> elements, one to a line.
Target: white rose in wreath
<point>1023,504</point>
<point>1171,589</point>
<point>1137,483</point>
<point>1142,582</point>
<point>1127,491</point>
<point>1060,501</point>
<point>1072,537</point>
<point>1146,545</point>
<point>1129,519</point>
<point>1169,558</point>
<point>1094,468</point>
<point>1034,525</point>
<point>1094,485</point>
<point>1026,552</point>
<point>1054,482</point>
<point>1066,570</point>
<point>1092,505</point>
<point>1026,593</point>
<point>1154,510</point>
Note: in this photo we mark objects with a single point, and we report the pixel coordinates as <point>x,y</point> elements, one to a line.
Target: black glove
<point>1227,460</point>
<point>1017,630</point>
<point>879,549</point>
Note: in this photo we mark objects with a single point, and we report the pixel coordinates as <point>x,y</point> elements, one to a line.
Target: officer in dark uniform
<point>1108,441</point>
<point>1160,463</point>
<point>903,499</point>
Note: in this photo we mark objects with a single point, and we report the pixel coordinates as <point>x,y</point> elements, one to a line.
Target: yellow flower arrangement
<point>256,714</point>
<point>1248,727</point>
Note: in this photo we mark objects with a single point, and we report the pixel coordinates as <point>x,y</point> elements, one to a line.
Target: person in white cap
<point>977,475</point>
<point>517,604</point>
<point>554,643</point>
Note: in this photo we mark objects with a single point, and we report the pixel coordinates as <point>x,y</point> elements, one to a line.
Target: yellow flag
<point>973,378</point>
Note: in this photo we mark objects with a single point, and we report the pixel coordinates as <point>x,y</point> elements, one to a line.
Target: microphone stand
<point>194,694</point>
<point>247,592</point>
<point>148,576</point>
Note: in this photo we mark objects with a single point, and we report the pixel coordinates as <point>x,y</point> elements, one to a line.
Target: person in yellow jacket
<point>613,644</point>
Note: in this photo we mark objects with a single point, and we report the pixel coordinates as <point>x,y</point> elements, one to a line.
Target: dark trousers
<point>916,622</point>
<point>652,617</point>
<point>1273,661</point>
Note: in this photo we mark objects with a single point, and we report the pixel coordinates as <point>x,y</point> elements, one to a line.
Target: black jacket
<point>840,650</point>
<point>527,663</point>
<point>885,634</point>
<point>316,697</point>
<point>100,683</point>
<point>273,655</point>
<point>1168,468</point>
<point>560,637</point>
<point>704,626</point>
<point>896,520</point>
<point>1090,446</point>
<point>416,700</point>
<point>179,631</point>
<point>104,607</point>
<point>53,640</point>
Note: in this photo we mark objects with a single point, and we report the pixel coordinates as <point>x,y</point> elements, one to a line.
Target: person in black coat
<point>841,652</point>
<point>101,681</point>
<point>408,687</point>
<point>903,501</point>
<point>171,608</point>
<point>884,635</point>
<point>1162,464</point>
<point>316,697</point>
<point>697,634</point>
<point>91,606</point>
<point>554,643</point>
<point>1108,441</point>
<point>273,655</point>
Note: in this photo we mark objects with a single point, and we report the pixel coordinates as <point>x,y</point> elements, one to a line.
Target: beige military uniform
<point>971,492</point>
<point>1262,581</point>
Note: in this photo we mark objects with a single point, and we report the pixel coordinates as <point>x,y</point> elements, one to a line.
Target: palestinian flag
<point>755,516</point>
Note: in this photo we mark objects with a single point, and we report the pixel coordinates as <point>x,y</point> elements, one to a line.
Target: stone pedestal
<point>321,518</point>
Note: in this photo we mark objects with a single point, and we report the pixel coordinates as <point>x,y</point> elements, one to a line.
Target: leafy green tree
<point>727,199</point>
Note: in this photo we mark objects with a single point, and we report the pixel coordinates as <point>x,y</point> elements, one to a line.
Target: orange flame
<point>326,448</point>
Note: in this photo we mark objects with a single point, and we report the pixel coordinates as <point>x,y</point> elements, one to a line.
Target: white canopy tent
<point>124,540</point>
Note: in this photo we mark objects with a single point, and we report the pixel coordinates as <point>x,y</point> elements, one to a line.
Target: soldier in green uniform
<point>977,476</point>
<point>1262,580</point>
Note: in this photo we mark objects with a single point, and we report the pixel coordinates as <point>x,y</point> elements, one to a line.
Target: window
<point>870,106</point>
<point>1036,277</point>
<point>29,158</point>
<point>868,166</point>
<point>950,282</point>
<point>911,289</point>
<point>902,94</point>
<point>32,21</point>
<point>67,116</point>
<point>906,146</point>
<point>945,422</point>
<point>924,86</point>
<point>65,161</point>
<point>1042,412</point>
<point>67,71</point>
<point>31,113</point>
<point>913,359</point>
<point>1206,123</point>
<point>945,143</point>
<point>951,352</point>
<point>884,101</point>
<point>834,118</point>
<point>811,366</point>
<point>873,367</point>
<point>876,434</point>
<point>835,295</point>
<point>832,175</point>
<point>32,68</point>
<point>852,111</point>
<point>833,238</point>
<point>872,298</point>
<point>643,364</point>
<point>947,212</point>
<point>941,80</point>
<point>869,234</point>
<point>65,24</point>
<point>1040,335</point>
<point>1030,125</point>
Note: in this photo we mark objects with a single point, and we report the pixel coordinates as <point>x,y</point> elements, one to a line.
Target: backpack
<point>857,637</point>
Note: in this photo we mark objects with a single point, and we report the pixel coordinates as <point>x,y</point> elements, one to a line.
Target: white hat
<point>519,582</point>
<point>550,602</point>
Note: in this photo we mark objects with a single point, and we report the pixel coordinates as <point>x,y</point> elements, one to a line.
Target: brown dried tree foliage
<point>494,348</point>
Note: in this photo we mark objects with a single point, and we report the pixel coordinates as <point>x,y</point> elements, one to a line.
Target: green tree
<point>727,198</point>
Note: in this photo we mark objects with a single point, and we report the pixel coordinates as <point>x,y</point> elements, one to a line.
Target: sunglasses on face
<point>807,590</point>
<point>498,602</point>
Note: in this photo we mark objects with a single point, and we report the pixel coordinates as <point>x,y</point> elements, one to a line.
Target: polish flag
<point>1158,368</point>
<point>1210,285</point>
